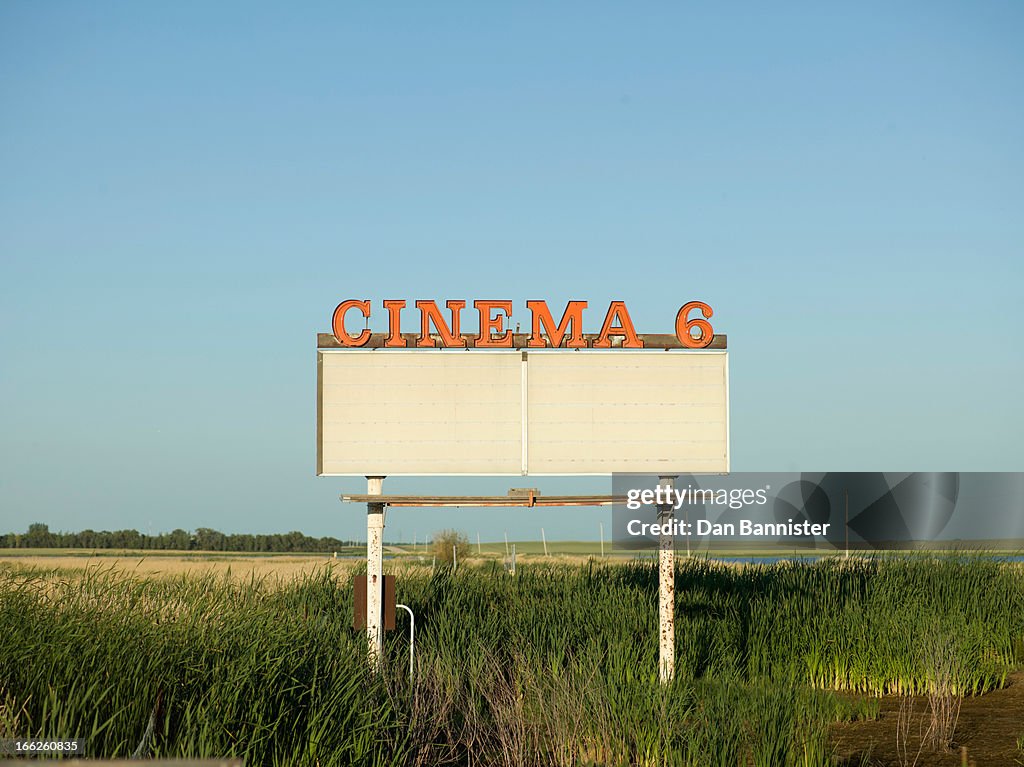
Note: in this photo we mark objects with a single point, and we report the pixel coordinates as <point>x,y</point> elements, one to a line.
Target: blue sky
<point>190,188</point>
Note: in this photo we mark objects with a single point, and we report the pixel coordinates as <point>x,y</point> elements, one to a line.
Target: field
<point>171,564</point>
<point>840,662</point>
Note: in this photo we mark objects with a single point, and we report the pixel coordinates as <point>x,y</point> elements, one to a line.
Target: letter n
<point>430,313</point>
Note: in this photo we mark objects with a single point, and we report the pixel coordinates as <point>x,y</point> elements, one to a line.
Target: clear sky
<point>188,189</point>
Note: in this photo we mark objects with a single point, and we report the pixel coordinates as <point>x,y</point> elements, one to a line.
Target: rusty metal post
<point>375,573</point>
<point>666,585</point>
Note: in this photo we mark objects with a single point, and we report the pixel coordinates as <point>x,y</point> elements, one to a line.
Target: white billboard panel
<point>394,412</point>
<point>389,412</point>
<point>621,411</point>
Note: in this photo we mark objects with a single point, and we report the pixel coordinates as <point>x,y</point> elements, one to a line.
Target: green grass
<point>556,666</point>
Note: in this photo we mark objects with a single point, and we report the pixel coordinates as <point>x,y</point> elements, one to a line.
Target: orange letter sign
<point>489,324</point>
<point>573,315</point>
<point>339,323</point>
<point>430,313</point>
<point>617,309</point>
<point>394,339</point>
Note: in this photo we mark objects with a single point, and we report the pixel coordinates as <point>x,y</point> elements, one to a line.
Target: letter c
<point>338,323</point>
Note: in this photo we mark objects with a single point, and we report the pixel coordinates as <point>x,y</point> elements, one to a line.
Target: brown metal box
<point>359,611</point>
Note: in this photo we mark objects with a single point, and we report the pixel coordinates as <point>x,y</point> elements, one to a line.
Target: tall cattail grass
<point>556,666</point>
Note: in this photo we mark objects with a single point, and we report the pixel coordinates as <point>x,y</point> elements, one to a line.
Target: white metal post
<point>375,572</point>
<point>666,586</point>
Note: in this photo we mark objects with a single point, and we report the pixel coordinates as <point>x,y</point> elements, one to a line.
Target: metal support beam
<point>666,587</point>
<point>375,572</point>
<point>469,501</point>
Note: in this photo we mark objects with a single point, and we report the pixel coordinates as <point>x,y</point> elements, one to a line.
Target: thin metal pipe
<point>412,642</point>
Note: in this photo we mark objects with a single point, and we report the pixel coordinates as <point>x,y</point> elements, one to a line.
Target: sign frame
<point>718,349</point>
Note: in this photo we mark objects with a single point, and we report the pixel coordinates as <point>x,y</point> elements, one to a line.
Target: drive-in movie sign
<point>525,385</point>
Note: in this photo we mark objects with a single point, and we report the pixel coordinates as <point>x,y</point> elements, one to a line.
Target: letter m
<point>542,320</point>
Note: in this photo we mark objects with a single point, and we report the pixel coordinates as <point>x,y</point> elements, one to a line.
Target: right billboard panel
<point>618,411</point>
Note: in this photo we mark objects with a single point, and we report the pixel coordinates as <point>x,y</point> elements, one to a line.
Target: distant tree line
<point>203,539</point>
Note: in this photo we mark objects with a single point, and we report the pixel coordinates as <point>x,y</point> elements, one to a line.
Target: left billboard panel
<point>396,412</point>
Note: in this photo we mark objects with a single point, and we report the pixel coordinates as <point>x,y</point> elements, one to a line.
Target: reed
<point>556,666</point>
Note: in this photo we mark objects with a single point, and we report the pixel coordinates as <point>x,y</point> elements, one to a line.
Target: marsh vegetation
<point>556,666</point>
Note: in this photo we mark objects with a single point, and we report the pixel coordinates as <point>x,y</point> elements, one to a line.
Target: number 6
<point>684,325</point>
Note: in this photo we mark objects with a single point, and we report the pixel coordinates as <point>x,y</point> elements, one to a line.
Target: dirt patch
<point>988,728</point>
